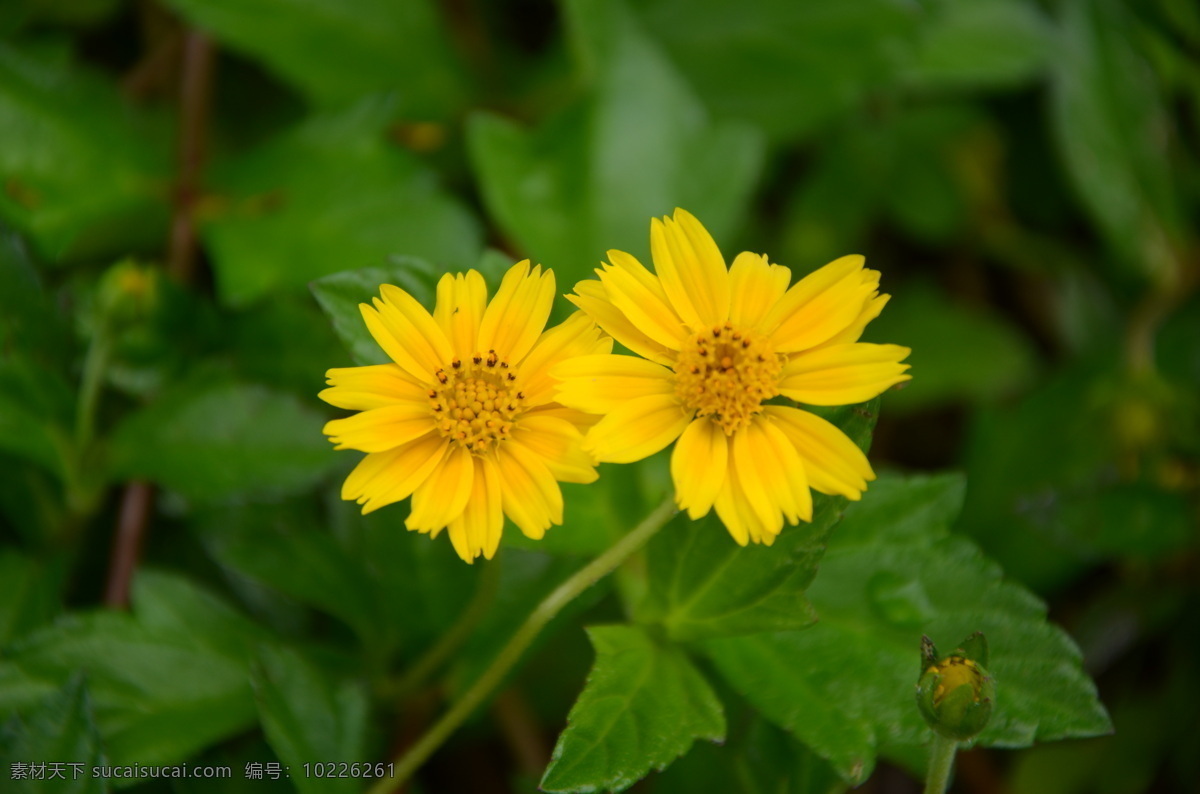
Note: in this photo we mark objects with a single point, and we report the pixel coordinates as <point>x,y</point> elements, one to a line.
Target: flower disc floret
<point>477,402</point>
<point>727,374</point>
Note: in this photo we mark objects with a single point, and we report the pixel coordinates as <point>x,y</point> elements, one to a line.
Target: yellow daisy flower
<point>464,419</point>
<point>717,344</point>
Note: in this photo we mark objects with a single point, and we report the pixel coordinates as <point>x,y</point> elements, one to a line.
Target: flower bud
<point>127,294</point>
<point>955,693</point>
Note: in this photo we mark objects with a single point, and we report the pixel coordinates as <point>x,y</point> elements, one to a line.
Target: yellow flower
<point>464,419</point>
<point>717,344</point>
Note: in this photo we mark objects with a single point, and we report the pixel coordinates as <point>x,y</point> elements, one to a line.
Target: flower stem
<point>941,761</point>
<point>450,641</point>
<point>551,605</point>
<point>94,364</point>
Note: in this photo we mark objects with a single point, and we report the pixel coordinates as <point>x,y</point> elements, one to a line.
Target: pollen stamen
<point>477,404</point>
<point>727,375</point>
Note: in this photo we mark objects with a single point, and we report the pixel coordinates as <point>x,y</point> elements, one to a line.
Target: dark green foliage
<point>1024,175</point>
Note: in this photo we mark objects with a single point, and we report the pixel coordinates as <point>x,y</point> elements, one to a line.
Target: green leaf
<point>289,552</point>
<point>590,178</point>
<point>29,593</point>
<point>959,353</point>
<point>35,407</point>
<point>902,166</point>
<point>981,44</point>
<point>59,735</point>
<point>217,440</point>
<point>83,176</point>
<point>308,717</point>
<point>331,195</point>
<point>1110,122</point>
<point>340,294</point>
<point>643,706</point>
<point>29,320</point>
<point>166,681</point>
<point>702,584</point>
<point>786,66</point>
<point>365,46</point>
<point>892,573</point>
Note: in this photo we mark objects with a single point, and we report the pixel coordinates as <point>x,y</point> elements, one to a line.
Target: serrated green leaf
<point>639,145</point>
<point>702,584</point>
<point>58,735</point>
<point>981,44</point>
<point>309,717</point>
<point>787,66</point>
<point>83,176</point>
<point>892,573</point>
<point>331,195</point>
<point>338,50</point>
<point>217,440</point>
<point>961,353</point>
<point>29,593</point>
<point>643,706</point>
<point>341,293</point>
<point>166,681</point>
<point>1109,123</point>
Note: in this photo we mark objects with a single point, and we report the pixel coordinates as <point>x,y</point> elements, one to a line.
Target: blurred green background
<point>174,175</point>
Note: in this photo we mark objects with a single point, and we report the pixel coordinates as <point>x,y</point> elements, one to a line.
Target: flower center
<point>727,374</point>
<point>477,403</point>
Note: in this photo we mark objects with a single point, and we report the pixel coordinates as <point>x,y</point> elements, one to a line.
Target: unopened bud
<point>128,293</point>
<point>955,693</point>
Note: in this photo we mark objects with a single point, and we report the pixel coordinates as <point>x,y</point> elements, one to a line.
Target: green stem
<point>89,390</point>
<point>551,605</point>
<point>415,676</point>
<point>941,761</point>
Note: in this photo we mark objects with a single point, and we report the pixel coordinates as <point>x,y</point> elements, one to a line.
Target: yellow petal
<point>381,429</point>
<point>393,343</point>
<point>415,327</point>
<point>382,478</point>
<point>755,286</point>
<point>364,388</point>
<point>461,301</point>
<point>834,463</point>
<point>647,309</point>
<point>843,374</point>
<point>577,336</point>
<point>444,494</point>
<point>516,316</point>
<point>691,269</point>
<point>870,310</point>
<point>531,497</point>
<point>477,531</point>
<point>637,429</point>
<point>820,305</point>
<point>780,469</point>
<point>734,511</point>
<point>748,467</point>
<point>559,444</point>
<point>600,384</point>
<point>698,466</point>
<point>579,419</point>
<point>591,298</point>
